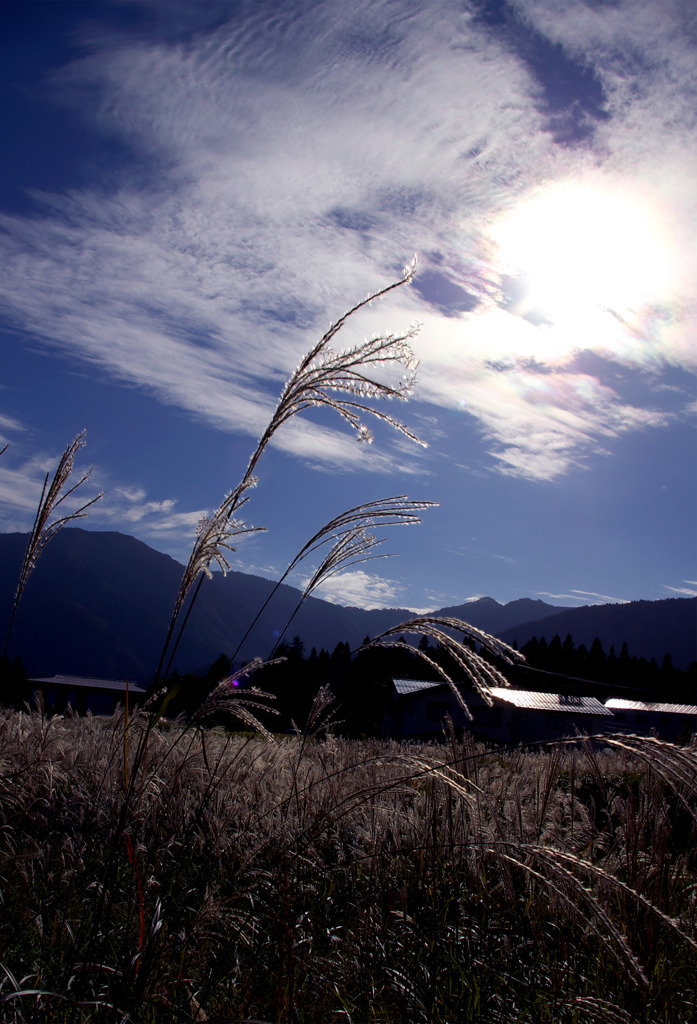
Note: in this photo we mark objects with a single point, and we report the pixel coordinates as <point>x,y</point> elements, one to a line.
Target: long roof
<point>87,682</point>
<point>558,702</point>
<point>620,704</point>
<point>524,699</point>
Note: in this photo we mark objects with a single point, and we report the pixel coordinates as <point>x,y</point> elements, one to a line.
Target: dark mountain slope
<point>99,604</point>
<point>649,628</point>
<point>488,614</point>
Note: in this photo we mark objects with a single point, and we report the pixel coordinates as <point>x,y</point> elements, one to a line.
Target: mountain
<point>486,613</point>
<point>99,603</point>
<point>649,628</point>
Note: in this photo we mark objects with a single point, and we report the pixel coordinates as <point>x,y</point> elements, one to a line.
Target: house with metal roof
<point>667,721</point>
<point>418,709</point>
<point>83,694</point>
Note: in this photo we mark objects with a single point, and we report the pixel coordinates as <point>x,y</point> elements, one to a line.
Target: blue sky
<point>191,192</point>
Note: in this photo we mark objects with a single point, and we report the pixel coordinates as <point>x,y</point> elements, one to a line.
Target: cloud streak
<point>582,596</point>
<point>296,161</point>
<point>689,590</point>
<point>127,507</point>
<point>21,484</point>
<point>361,589</point>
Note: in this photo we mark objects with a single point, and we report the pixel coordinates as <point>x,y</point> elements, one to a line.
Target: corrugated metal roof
<point>620,704</point>
<point>403,686</point>
<point>558,702</point>
<point>86,682</point>
<point>525,699</point>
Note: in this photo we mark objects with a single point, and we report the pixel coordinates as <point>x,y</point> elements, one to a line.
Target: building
<point>417,709</point>
<point>83,694</point>
<point>667,721</point>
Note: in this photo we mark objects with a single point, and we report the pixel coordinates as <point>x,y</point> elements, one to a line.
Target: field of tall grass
<point>181,873</point>
<point>156,869</point>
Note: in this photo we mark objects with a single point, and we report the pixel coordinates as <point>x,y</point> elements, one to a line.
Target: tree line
<point>623,670</point>
<point>360,682</point>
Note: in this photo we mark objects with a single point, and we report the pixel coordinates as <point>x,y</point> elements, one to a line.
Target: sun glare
<point>575,249</point>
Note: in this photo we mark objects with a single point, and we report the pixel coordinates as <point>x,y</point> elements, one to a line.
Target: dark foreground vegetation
<point>183,873</point>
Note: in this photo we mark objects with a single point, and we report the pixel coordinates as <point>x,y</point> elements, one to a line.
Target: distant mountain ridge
<point>649,628</point>
<point>496,618</point>
<point>99,603</point>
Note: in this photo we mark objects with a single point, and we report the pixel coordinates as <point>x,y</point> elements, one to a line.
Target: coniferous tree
<point>555,655</point>
<point>612,663</point>
<point>667,671</point>
<point>580,660</point>
<point>597,661</point>
<point>568,649</point>
<point>624,666</point>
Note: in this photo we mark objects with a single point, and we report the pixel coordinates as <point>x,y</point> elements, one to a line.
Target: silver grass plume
<point>324,375</point>
<point>351,548</point>
<point>562,873</point>
<point>394,511</point>
<point>573,863</point>
<point>597,1011</point>
<point>441,628</point>
<point>341,381</point>
<point>245,704</point>
<point>213,538</point>
<point>321,713</point>
<point>573,894</point>
<point>675,766</point>
<point>53,494</point>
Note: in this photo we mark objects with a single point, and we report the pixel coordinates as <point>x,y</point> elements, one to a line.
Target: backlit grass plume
<point>343,380</point>
<point>213,538</point>
<point>351,548</point>
<point>350,542</point>
<point>45,527</point>
<point>480,672</point>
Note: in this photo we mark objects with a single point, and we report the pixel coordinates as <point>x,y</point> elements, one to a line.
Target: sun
<point>577,248</point>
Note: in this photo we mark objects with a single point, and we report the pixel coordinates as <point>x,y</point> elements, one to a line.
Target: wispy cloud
<point>689,590</point>
<point>157,516</point>
<point>601,597</point>
<point>541,417</point>
<point>21,483</point>
<point>123,507</point>
<point>582,596</point>
<point>360,589</point>
<point>128,508</point>
<point>292,171</point>
<point>20,490</point>
<point>9,425</point>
